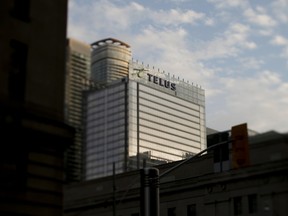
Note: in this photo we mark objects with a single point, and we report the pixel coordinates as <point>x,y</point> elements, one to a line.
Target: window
<point>21,10</point>
<point>237,204</point>
<point>252,203</point>
<point>171,211</point>
<point>191,210</point>
<point>17,73</point>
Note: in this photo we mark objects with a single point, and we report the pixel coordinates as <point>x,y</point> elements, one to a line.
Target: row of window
<point>101,114</point>
<point>101,160</point>
<point>81,72</point>
<point>168,136</point>
<point>109,62</point>
<point>100,139</point>
<point>99,106</point>
<point>164,133</point>
<point>110,91</point>
<point>189,92</point>
<point>172,122</point>
<point>238,204</point>
<point>161,144</point>
<point>109,128</point>
<point>80,66</point>
<point>101,118</point>
<point>175,111</point>
<point>98,168</point>
<point>84,60</point>
<point>96,99</point>
<point>116,147</point>
<point>191,209</point>
<point>155,95</point>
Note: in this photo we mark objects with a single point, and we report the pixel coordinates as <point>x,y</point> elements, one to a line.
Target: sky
<point>236,50</point>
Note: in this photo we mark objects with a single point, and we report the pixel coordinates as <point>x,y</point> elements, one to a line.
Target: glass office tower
<point>143,119</point>
<point>109,60</point>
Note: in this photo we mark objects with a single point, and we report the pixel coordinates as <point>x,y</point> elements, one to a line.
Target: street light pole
<point>150,192</point>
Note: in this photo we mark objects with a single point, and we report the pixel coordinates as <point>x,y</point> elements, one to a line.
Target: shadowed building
<point>195,189</point>
<point>33,133</point>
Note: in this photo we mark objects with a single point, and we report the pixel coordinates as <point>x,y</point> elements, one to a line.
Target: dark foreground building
<point>195,188</point>
<point>33,134</point>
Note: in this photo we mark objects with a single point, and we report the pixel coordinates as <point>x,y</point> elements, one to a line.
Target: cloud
<point>265,32</point>
<point>279,40</point>
<point>221,4</point>
<point>177,1</point>
<point>155,43</point>
<point>209,22</point>
<point>170,49</point>
<point>260,100</point>
<point>105,17</point>
<point>279,8</point>
<point>176,17</point>
<point>227,44</point>
<point>119,17</point>
<point>251,63</point>
<point>161,38</point>
<point>259,17</point>
<point>108,16</point>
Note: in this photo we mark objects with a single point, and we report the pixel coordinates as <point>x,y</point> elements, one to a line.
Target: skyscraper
<point>143,117</point>
<point>77,80</point>
<point>110,60</point>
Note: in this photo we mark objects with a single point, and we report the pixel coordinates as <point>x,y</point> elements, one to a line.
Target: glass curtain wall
<point>162,127</point>
<point>105,131</point>
<point>135,125</point>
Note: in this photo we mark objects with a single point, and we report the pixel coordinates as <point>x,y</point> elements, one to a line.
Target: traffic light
<point>240,146</point>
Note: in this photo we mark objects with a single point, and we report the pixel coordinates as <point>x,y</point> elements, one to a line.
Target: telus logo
<point>161,82</point>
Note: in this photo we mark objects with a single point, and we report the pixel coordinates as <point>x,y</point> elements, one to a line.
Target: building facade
<point>145,118</point>
<point>78,67</point>
<point>260,189</point>
<point>34,135</point>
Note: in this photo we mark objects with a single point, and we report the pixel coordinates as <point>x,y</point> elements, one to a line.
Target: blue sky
<point>237,50</point>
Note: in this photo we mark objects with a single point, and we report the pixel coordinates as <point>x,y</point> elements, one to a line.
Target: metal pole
<point>150,192</point>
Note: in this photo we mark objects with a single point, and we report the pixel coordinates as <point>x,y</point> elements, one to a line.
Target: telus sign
<point>161,82</point>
